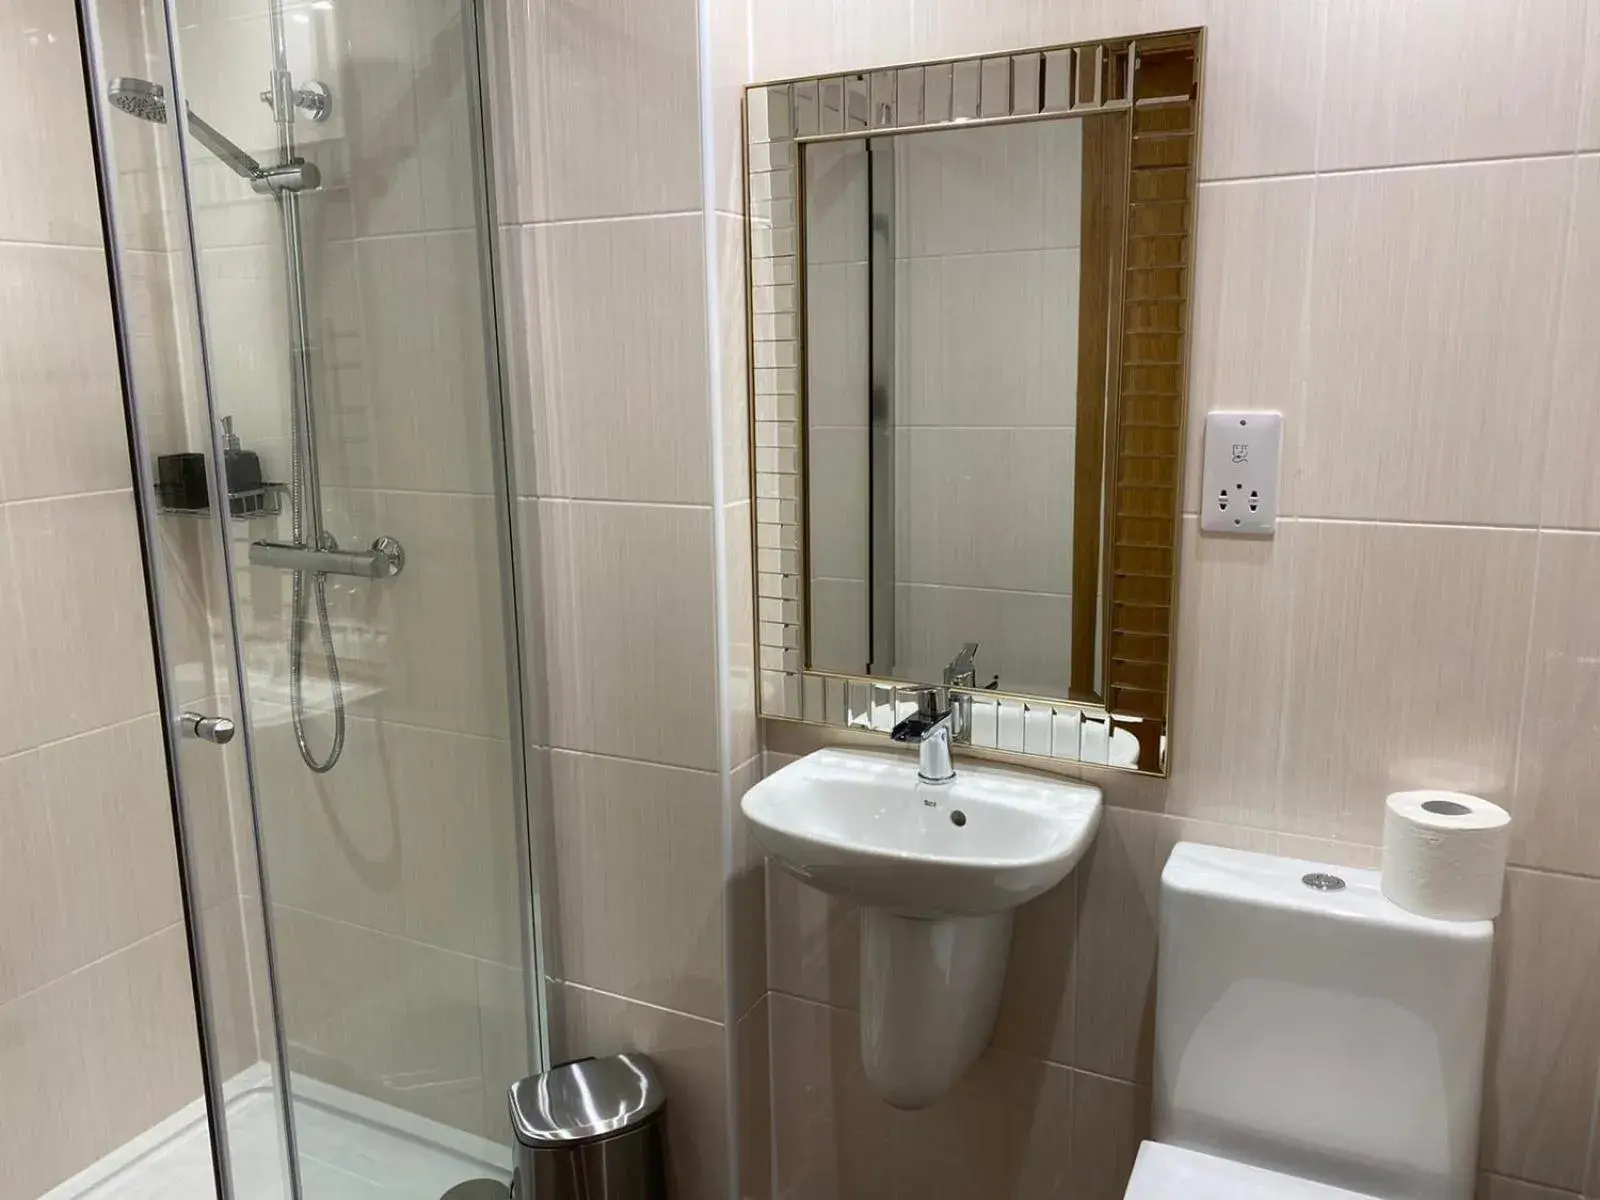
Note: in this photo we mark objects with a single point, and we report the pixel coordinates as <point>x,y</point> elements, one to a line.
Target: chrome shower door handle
<point>217,730</point>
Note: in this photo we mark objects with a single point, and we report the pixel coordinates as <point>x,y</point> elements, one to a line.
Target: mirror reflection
<point>954,422</point>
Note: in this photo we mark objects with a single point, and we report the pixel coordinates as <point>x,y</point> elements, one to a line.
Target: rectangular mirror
<point>969,287</point>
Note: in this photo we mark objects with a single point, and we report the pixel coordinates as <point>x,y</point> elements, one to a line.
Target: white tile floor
<point>351,1148</point>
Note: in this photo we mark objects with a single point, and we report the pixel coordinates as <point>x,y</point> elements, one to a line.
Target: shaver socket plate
<point>1239,481</point>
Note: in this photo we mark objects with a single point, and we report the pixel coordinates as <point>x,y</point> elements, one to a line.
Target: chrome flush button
<point>1322,882</point>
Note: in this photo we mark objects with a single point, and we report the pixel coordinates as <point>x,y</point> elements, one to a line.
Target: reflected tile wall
<point>1422,316</point>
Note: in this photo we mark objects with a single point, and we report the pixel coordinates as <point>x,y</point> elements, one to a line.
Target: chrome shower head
<point>139,98</point>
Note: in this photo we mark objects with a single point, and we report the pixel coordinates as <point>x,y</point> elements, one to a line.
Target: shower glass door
<point>305,272</point>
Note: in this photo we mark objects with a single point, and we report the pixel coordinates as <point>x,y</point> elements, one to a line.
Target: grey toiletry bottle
<point>242,467</point>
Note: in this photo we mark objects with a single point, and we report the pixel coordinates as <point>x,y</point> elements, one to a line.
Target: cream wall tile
<point>227,967</point>
<point>42,1062</point>
<point>1411,642</point>
<point>1109,1120</point>
<point>83,613</point>
<point>753,1114</point>
<point>739,687</point>
<point>691,1055</point>
<point>949,28</point>
<point>111,830</point>
<point>1232,675</point>
<point>439,650</point>
<point>797,37</point>
<point>61,427</point>
<point>1023,637</point>
<point>1545,1030</point>
<point>745,898</point>
<point>1118,917</point>
<point>502,1012</point>
<point>37,935</point>
<point>1433,315</point>
<point>1556,803</point>
<point>1250,334</point>
<point>813,942</point>
<point>1263,88</point>
<point>382,1016</point>
<point>839,625</point>
<point>730,71</point>
<point>610,125</point>
<point>1406,81</point>
<point>839,508</point>
<point>59,204</point>
<point>1571,488</point>
<point>141,1055</point>
<point>838,320</point>
<point>419,418</point>
<point>1589,111</point>
<point>659,939</point>
<point>1036,1008</point>
<point>628,630</point>
<point>624,377</point>
<point>967,487</point>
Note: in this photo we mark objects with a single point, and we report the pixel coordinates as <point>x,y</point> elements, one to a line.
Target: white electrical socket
<point>1239,482</point>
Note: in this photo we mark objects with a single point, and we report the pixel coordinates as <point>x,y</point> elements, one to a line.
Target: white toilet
<point>1313,1041</point>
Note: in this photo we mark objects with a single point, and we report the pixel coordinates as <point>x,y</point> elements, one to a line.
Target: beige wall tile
<point>1437,287</point>
<point>37,936</point>
<point>1109,1120</point>
<point>730,71</point>
<point>1381,616</point>
<point>438,657</point>
<point>628,630</point>
<point>59,204</point>
<point>42,1062</point>
<point>1571,490</point>
<point>838,315</point>
<point>1544,1023</point>
<point>503,1017</point>
<point>739,688</point>
<point>610,126</point>
<point>813,942</point>
<point>753,1114</point>
<point>838,502</point>
<point>837,203</point>
<point>638,856</point>
<point>1232,675</point>
<point>792,37</point>
<point>746,899</point>
<point>137,1026</point>
<point>1405,81</point>
<point>1119,895</point>
<point>1263,87</point>
<point>1555,799</point>
<point>382,1016</point>
<point>691,1055</point>
<point>227,966</point>
<point>1036,1008</point>
<point>61,428</point>
<point>839,625</point>
<point>1023,637</point>
<point>623,382</point>
<point>1250,337</point>
<point>83,614</point>
<point>418,417</point>
<point>111,831</point>
<point>1589,111</point>
<point>733,330</point>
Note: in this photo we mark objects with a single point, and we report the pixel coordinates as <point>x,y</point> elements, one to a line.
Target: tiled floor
<point>351,1148</point>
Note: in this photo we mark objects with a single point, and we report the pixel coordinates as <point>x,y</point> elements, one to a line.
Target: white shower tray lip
<point>860,824</point>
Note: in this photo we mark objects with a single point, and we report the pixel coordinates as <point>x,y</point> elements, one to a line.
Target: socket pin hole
<point>958,818</point>
<point>1242,421</point>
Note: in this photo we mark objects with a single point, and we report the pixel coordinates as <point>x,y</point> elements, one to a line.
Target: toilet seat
<point>1164,1172</point>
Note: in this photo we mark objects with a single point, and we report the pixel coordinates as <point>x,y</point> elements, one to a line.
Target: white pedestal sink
<point>938,869</point>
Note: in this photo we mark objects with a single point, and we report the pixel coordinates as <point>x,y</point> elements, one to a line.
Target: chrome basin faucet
<point>931,729</point>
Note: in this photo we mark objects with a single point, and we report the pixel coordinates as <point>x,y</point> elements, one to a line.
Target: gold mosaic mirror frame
<point>1156,81</point>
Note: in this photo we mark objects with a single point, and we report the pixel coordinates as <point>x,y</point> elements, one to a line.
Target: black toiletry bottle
<point>242,468</point>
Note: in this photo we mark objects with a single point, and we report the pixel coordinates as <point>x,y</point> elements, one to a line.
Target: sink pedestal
<point>930,990</point>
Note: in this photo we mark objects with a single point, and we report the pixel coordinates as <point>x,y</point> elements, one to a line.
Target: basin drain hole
<point>958,818</point>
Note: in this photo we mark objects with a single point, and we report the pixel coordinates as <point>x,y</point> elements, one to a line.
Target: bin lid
<point>585,1101</point>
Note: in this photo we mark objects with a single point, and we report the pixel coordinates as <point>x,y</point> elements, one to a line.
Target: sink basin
<point>862,825</point>
<point>939,870</point>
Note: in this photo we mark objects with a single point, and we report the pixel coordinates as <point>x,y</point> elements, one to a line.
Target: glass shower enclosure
<point>300,233</point>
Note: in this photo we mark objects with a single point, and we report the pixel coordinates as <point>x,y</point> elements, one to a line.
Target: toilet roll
<point>1444,854</point>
